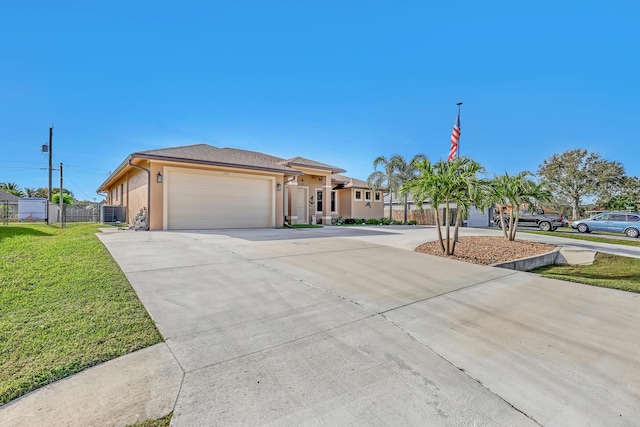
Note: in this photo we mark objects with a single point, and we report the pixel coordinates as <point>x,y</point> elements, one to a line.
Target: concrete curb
<point>529,263</point>
<point>562,255</point>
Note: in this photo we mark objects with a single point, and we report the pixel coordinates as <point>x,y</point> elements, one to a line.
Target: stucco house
<point>206,187</point>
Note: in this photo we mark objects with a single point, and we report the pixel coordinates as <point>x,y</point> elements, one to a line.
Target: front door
<point>302,208</point>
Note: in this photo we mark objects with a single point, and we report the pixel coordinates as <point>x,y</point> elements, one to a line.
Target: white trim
<point>336,201</point>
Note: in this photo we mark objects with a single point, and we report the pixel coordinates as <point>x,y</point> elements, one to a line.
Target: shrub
<point>373,221</point>
<point>338,221</point>
<point>385,221</point>
<point>413,222</point>
<point>349,221</point>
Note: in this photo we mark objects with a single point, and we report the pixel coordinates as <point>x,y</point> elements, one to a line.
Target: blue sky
<point>340,82</point>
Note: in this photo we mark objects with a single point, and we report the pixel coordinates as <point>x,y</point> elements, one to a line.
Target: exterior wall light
<point>278,186</point>
<point>159,178</point>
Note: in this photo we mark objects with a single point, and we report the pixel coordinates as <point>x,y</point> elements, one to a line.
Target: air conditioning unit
<point>110,214</point>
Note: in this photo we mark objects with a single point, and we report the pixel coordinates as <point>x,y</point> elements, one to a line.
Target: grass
<point>65,305</point>
<point>306,226</point>
<point>161,422</point>
<point>607,271</point>
<point>587,237</point>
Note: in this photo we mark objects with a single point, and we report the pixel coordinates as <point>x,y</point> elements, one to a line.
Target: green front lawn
<point>608,271</point>
<point>65,305</point>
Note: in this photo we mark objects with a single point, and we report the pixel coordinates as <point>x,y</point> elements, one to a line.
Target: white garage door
<point>202,200</point>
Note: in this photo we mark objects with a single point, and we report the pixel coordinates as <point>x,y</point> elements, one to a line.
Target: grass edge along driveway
<point>65,306</point>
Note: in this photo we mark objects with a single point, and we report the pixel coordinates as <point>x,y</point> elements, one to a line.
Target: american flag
<point>455,138</point>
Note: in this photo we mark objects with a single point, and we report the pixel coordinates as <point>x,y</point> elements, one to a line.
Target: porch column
<point>326,201</point>
<point>292,208</point>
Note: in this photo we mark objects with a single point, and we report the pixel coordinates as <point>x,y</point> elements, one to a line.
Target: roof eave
<point>214,163</point>
<point>145,156</point>
<point>306,166</point>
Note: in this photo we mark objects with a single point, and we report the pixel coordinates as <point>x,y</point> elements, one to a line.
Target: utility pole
<point>50,159</point>
<point>62,222</point>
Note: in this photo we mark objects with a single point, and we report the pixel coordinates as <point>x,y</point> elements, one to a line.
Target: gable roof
<point>303,162</point>
<point>8,197</point>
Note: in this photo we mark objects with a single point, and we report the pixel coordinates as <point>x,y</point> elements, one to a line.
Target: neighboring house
<point>8,206</point>
<point>206,187</point>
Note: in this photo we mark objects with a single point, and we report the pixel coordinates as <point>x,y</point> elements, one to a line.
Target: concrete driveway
<point>346,326</point>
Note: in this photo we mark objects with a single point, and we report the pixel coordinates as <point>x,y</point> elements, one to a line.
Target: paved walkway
<point>348,326</point>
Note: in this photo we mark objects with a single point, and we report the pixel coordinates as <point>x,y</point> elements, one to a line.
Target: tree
<point>395,172</point>
<point>30,192</point>
<point>513,191</point>
<point>625,197</point>
<point>448,183</point>
<point>12,188</point>
<point>576,174</point>
<point>67,199</point>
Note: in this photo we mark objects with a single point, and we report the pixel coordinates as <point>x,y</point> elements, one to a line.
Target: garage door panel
<point>210,200</point>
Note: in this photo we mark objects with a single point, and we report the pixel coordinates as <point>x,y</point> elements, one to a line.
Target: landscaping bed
<point>488,250</point>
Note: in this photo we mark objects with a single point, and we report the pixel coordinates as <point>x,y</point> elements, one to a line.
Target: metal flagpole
<point>458,153</point>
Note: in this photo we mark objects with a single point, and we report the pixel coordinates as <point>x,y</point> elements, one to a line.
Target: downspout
<point>148,192</point>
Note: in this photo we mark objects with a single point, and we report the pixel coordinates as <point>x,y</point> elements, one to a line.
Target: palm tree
<point>512,192</point>
<point>448,182</point>
<point>12,188</point>
<point>396,172</point>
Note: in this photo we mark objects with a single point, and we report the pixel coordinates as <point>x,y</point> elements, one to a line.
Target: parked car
<point>614,222</point>
<point>545,222</point>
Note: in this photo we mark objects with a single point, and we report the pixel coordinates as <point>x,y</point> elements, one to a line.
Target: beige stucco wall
<point>344,199</point>
<point>137,193</point>
<point>366,208</point>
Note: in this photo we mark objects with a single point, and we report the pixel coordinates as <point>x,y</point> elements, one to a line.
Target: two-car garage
<point>199,199</point>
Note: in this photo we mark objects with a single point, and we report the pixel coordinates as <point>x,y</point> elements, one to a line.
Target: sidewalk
<point>130,389</point>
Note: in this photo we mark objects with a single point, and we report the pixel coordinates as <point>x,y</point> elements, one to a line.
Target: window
<point>618,217</point>
<point>333,201</point>
<point>634,218</point>
<point>318,200</point>
<point>358,195</point>
<point>377,196</point>
<point>367,195</point>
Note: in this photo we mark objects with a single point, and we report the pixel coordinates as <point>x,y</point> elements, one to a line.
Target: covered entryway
<point>197,199</point>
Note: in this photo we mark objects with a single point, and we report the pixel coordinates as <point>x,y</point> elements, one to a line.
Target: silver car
<point>613,222</point>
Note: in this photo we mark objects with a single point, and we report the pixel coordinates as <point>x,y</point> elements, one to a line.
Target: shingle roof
<point>347,182</point>
<point>204,153</point>
<point>301,161</point>
<point>8,197</point>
